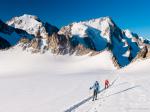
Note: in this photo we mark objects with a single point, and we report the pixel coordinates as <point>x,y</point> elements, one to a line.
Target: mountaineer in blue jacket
<point>96,88</point>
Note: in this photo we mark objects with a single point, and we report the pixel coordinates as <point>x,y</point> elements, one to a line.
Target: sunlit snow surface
<point>51,83</point>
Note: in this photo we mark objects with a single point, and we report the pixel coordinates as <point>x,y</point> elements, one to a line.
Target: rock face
<point>144,53</point>
<point>58,44</point>
<point>148,54</point>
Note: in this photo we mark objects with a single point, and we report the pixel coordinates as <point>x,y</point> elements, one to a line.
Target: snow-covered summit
<point>94,33</point>
<point>31,24</point>
<point>103,25</point>
<point>102,33</point>
<point>80,38</point>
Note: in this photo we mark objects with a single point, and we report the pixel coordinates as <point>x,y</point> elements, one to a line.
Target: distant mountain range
<point>82,38</point>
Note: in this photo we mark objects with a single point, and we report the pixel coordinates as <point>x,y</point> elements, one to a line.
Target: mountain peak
<point>29,16</point>
<point>26,22</point>
<point>31,24</point>
<point>98,27</point>
<point>104,19</point>
<point>95,35</point>
<point>101,33</point>
<point>26,16</point>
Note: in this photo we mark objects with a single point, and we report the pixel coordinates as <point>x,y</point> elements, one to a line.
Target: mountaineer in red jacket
<point>106,84</point>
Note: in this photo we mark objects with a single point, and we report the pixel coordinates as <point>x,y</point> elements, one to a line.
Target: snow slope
<point>129,93</point>
<point>50,83</point>
<point>45,82</point>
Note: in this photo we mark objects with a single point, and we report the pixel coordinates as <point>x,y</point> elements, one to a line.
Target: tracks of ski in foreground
<point>102,92</point>
<point>70,109</point>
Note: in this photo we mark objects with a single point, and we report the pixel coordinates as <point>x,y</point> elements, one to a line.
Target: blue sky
<point>131,14</point>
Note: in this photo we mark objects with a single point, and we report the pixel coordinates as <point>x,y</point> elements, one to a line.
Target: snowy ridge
<point>25,26</point>
<point>102,24</point>
<point>102,33</point>
<point>32,25</point>
<point>87,36</point>
<point>29,23</point>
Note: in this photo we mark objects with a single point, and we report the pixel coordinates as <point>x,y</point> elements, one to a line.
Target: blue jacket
<point>96,86</point>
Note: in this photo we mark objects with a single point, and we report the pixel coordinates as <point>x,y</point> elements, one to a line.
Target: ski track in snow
<point>50,83</point>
